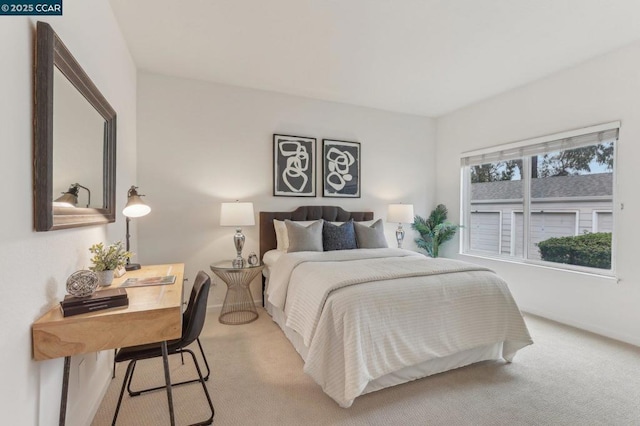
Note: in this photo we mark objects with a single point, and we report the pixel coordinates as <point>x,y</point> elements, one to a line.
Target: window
<point>548,200</point>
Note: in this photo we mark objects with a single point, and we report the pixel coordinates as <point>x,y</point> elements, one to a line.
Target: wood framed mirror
<point>74,141</point>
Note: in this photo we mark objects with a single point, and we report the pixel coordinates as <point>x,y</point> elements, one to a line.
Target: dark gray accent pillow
<point>304,238</point>
<point>370,236</point>
<point>338,237</point>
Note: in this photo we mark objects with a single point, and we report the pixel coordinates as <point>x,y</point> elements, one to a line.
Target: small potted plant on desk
<point>107,259</point>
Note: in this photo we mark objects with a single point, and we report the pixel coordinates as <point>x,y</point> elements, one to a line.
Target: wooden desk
<point>154,315</point>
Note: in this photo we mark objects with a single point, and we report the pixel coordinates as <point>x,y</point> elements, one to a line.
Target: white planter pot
<point>105,278</point>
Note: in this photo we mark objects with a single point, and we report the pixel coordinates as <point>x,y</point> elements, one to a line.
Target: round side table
<point>238,306</point>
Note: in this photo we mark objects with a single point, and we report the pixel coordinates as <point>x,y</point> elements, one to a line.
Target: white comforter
<point>366,313</point>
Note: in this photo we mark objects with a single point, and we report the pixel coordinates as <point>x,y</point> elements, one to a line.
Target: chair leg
<point>124,382</point>
<point>204,387</point>
<point>133,369</point>
<point>206,378</point>
<point>113,374</point>
<point>206,364</point>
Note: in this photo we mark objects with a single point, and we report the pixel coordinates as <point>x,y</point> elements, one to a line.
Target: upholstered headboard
<point>329,213</point>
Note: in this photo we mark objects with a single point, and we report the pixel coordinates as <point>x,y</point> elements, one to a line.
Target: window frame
<point>493,154</point>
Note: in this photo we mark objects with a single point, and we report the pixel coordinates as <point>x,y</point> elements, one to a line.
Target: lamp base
<point>132,266</point>
<point>399,235</point>
<point>238,262</point>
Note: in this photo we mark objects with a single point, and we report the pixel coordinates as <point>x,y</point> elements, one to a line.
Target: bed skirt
<point>407,374</point>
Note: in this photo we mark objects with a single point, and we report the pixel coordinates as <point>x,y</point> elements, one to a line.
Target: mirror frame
<point>52,53</point>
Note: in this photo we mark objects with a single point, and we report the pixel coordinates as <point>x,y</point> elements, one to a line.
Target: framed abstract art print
<point>294,166</point>
<point>341,169</point>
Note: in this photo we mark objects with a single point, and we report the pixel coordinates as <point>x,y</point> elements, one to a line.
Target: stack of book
<point>103,299</point>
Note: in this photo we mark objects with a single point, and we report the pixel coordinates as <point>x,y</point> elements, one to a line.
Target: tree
<point>569,162</point>
<point>563,163</point>
<point>492,172</point>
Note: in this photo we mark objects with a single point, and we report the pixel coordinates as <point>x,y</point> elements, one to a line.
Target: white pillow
<point>282,237</point>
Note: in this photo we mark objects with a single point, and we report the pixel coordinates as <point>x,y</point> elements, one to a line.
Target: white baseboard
<point>602,331</point>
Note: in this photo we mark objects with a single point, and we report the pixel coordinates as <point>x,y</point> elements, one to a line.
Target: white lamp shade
<point>400,213</point>
<point>136,207</point>
<point>237,214</point>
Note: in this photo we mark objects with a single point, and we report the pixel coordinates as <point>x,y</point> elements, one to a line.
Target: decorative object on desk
<point>99,300</point>
<point>400,213</point>
<point>434,231</point>
<point>341,169</point>
<point>106,259</point>
<point>141,282</point>
<point>118,272</point>
<point>237,215</point>
<point>294,166</point>
<point>135,208</point>
<point>82,283</point>
<point>70,198</point>
<point>253,259</point>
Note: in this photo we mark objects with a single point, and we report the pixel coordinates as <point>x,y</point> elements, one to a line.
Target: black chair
<point>192,323</point>
<point>185,316</point>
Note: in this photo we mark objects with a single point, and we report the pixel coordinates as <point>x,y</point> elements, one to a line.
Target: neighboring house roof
<point>598,184</point>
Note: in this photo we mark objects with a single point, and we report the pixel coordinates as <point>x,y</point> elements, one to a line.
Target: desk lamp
<point>135,208</point>
<point>70,198</point>
<point>237,214</point>
<point>400,213</point>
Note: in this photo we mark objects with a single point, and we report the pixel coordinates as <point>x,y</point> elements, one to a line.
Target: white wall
<point>601,90</point>
<point>35,266</point>
<point>200,144</point>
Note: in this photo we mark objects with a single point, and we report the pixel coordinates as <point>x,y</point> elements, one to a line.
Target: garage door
<point>604,222</point>
<point>485,231</point>
<point>543,225</point>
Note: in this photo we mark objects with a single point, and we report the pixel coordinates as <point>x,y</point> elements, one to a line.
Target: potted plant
<point>107,259</point>
<point>434,231</point>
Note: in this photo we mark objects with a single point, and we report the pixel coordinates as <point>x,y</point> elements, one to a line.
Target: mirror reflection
<point>78,134</point>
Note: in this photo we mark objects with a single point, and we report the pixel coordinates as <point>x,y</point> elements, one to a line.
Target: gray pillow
<point>370,236</point>
<point>342,237</point>
<point>304,238</point>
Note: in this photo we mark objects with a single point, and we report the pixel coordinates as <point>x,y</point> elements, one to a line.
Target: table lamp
<point>135,208</point>
<point>237,215</point>
<point>400,213</point>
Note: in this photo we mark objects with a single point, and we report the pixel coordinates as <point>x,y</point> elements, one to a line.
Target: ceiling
<point>426,57</point>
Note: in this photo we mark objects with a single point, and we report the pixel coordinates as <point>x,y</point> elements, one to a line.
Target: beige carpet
<point>568,377</point>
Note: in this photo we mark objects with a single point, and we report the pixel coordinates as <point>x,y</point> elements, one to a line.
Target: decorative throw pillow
<point>342,237</point>
<point>304,238</point>
<point>282,238</point>
<point>370,236</point>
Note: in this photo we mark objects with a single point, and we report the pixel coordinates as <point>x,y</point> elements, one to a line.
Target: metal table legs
<point>167,379</point>
<point>65,390</point>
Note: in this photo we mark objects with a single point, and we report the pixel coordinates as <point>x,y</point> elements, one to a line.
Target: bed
<point>365,319</point>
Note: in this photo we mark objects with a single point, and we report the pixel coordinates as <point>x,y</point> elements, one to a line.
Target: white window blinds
<point>553,143</point>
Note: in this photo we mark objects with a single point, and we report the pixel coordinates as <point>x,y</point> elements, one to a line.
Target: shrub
<point>592,249</point>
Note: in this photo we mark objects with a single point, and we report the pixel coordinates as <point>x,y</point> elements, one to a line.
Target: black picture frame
<point>340,169</point>
<point>294,166</point>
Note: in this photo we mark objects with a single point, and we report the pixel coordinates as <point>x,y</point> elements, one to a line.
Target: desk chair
<point>185,316</point>
<point>193,321</point>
